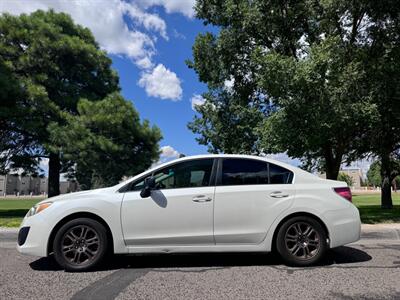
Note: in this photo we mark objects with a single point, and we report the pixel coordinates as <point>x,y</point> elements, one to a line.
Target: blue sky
<point>171,116</point>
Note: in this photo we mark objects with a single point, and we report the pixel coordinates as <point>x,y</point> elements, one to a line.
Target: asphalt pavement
<point>368,269</point>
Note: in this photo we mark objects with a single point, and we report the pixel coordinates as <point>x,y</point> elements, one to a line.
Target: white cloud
<point>169,152</point>
<point>104,18</point>
<point>178,35</point>
<point>171,6</point>
<point>149,21</point>
<point>161,82</point>
<point>197,100</point>
<point>107,21</point>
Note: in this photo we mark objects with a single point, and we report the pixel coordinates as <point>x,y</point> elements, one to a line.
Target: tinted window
<point>137,186</point>
<point>236,171</point>
<point>194,173</point>
<point>279,175</point>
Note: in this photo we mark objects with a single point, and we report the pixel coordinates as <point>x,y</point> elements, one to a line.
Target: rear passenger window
<point>236,171</point>
<point>279,175</point>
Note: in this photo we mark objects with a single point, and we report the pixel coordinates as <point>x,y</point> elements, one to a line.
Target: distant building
<point>43,185</point>
<point>355,174</point>
<point>11,184</point>
<point>23,185</point>
<point>34,185</point>
<point>14,184</point>
<point>68,187</point>
<point>2,184</point>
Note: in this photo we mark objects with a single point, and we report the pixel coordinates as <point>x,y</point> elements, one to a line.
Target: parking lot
<point>369,269</point>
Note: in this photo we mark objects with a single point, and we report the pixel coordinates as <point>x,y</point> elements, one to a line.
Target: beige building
<point>2,185</point>
<point>68,187</point>
<point>43,185</point>
<point>355,174</point>
<point>14,184</point>
<point>23,185</point>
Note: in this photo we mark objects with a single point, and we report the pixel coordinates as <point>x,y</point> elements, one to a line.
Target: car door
<point>250,194</point>
<point>178,212</point>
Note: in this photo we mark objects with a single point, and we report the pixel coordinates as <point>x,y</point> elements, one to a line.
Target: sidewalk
<point>390,231</point>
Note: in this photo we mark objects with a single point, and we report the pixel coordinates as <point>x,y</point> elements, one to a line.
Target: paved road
<point>369,269</point>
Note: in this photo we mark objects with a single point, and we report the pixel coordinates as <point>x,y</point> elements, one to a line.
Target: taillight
<point>344,192</point>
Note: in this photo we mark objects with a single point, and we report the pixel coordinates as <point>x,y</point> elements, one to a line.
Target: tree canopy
<point>346,178</point>
<point>48,65</point>
<point>105,141</point>
<point>317,79</point>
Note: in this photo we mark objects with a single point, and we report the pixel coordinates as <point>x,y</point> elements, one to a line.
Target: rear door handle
<point>201,198</point>
<point>278,194</point>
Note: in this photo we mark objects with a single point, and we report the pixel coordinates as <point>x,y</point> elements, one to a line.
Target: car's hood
<point>76,195</point>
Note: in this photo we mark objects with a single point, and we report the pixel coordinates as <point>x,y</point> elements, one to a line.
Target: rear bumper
<point>35,238</point>
<point>344,226</point>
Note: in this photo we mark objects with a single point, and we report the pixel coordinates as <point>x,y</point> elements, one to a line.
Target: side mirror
<point>149,184</point>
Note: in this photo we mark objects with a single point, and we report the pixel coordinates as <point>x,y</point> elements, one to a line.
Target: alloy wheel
<point>80,245</point>
<point>302,240</point>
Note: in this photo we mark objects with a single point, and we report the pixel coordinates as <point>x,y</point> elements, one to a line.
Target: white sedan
<point>208,203</point>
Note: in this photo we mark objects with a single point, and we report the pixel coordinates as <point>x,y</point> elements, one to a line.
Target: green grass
<point>12,211</point>
<point>371,211</point>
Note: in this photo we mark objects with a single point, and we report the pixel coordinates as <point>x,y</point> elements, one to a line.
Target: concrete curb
<point>381,231</point>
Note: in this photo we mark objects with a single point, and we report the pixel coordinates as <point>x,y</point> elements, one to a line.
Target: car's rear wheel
<point>80,244</point>
<point>301,241</point>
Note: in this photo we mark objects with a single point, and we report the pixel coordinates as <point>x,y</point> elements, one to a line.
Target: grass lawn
<point>371,211</point>
<point>12,211</point>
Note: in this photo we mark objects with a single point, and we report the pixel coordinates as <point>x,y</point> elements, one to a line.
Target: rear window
<point>237,171</point>
<point>244,172</point>
<point>279,175</point>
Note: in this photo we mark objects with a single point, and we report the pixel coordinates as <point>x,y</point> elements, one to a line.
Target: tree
<point>313,69</point>
<point>382,63</point>
<point>321,117</point>
<point>374,174</point>
<point>346,178</point>
<point>105,141</point>
<point>217,122</point>
<point>49,63</point>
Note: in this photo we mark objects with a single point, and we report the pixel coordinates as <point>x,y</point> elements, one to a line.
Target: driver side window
<point>193,173</point>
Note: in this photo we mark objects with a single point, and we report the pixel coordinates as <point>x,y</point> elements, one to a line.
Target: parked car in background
<point>208,203</point>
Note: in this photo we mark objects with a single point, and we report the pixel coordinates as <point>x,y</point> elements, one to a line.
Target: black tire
<point>307,247</point>
<point>80,244</point>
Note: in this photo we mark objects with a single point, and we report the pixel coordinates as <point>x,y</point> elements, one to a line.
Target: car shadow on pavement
<point>338,256</point>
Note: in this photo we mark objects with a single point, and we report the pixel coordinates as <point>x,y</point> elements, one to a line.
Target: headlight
<point>38,208</point>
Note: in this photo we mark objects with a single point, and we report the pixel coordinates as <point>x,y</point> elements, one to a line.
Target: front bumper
<point>36,238</point>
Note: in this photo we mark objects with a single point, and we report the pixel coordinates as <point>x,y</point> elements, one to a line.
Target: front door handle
<point>278,194</point>
<point>201,198</point>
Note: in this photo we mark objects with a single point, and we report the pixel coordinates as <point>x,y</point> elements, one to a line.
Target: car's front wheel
<point>80,244</point>
<point>301,241</point>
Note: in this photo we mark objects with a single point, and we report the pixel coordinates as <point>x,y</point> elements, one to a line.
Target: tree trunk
<point>332,172</point>
<point>332,164</point>
<point>386,193</point>
<point>54,174</point>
